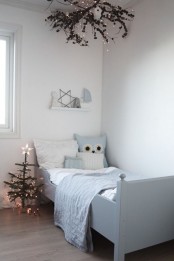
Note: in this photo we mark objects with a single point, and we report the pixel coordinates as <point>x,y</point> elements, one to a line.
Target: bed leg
<point>118,254</point>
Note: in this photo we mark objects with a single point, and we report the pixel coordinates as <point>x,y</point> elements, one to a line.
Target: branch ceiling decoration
<point>99,14</point>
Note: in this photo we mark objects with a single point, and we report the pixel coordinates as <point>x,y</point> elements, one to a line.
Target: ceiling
<point>36,5</point>
<point>43,5</point>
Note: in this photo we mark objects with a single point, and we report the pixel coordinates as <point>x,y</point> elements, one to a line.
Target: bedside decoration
<point>99,14</point>
<point>65,100</point>
<point>22,185</point>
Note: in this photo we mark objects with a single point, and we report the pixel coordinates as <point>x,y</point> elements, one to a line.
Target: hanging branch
<point>96,14</point>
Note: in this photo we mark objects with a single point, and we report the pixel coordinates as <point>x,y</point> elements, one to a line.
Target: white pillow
<point>91,160</point>
<point>50,153</point>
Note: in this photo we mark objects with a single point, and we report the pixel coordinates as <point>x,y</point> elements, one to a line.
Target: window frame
<point>11,128</point>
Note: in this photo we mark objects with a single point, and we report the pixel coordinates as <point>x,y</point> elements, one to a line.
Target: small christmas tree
<point>22,184</point>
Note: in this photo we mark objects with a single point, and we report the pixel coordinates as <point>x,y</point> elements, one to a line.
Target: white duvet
<point>58,174</point>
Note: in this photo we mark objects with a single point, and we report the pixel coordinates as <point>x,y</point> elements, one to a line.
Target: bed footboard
<point>145,214</point>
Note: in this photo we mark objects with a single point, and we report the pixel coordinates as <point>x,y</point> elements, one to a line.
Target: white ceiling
<point>37,5</point>
<point>43,5</point>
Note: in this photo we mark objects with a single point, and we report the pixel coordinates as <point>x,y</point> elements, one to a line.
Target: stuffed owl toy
<point>92,144</point>
<point>95,148</point>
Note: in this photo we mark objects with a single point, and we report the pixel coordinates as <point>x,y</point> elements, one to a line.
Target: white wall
<point>138,92</point>
<point>48,64</point>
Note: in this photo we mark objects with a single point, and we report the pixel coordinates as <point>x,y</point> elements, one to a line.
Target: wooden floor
<point>35,238</point>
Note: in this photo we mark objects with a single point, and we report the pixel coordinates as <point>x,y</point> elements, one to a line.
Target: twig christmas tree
<point>22,184</point>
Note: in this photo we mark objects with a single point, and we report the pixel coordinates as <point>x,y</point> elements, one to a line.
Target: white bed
<point>141,216</point>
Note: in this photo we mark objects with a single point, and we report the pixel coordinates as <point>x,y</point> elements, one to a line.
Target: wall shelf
<point>69,109</point>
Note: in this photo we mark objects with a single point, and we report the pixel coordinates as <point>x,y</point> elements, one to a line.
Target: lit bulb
<point>26,149</point>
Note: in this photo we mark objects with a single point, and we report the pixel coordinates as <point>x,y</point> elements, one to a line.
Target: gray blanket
<point>72,203</point>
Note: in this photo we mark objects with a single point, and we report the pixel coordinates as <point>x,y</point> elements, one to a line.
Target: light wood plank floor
<point>35,238</point>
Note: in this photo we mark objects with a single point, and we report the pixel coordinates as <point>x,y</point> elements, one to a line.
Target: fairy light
<point>29,211</point>
<point>23,187</point>
<point>99,14</point>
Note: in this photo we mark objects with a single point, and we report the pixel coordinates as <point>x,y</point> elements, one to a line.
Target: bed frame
<point>142,216</point>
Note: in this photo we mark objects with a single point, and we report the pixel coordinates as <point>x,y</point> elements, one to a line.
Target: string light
<point>23,187</point>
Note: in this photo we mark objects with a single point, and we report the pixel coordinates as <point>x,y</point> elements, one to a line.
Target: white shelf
<point>69,109</point>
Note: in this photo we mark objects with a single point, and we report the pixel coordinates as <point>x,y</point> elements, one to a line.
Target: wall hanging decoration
<point>64,100</point>
<point>100,15</point>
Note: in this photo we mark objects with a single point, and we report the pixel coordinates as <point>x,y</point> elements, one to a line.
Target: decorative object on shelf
<point>86,96</point>
<point>64,99</point>
<point>86,99</point>
<point>99,14</point>
<point>22,185</point>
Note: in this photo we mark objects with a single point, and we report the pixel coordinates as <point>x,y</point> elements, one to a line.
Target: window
<point>9,80</point>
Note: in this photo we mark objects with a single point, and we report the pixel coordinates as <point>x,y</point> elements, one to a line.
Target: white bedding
<point>58,174</point>
<point>73,198</point>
